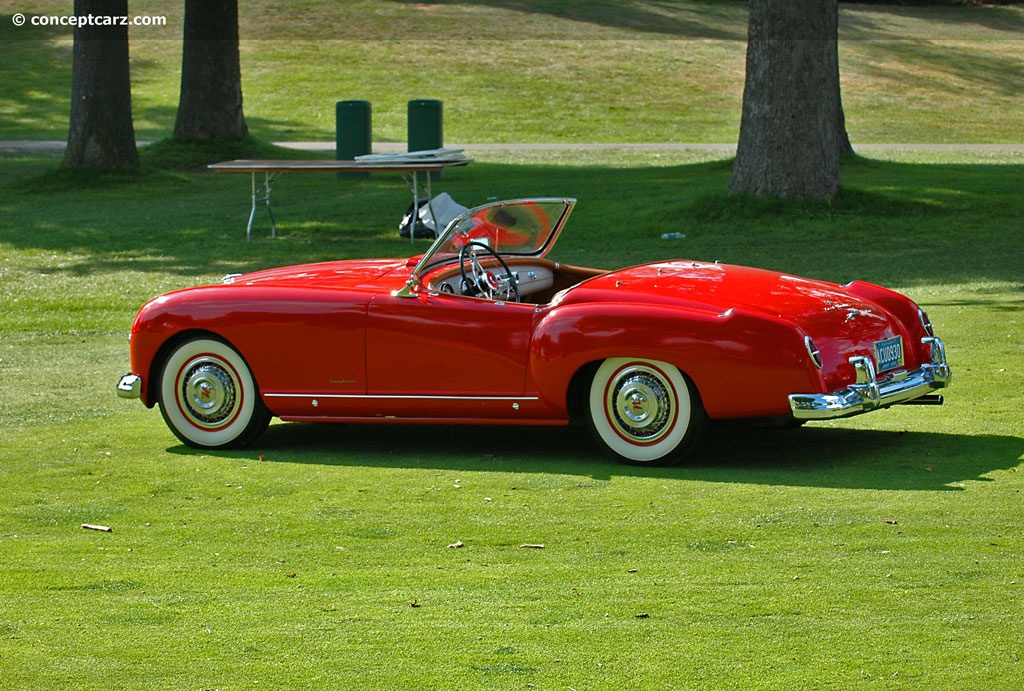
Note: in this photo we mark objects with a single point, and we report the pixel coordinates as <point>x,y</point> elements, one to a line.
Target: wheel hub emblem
<point>642,405</point>
<point>636,407</point>
<point>208,393</point>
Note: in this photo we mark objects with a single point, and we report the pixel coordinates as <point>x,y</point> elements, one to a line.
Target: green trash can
<point>426,125</point>
<point>353,133</point>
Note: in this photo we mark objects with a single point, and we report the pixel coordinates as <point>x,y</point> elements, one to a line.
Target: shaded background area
<point>544,71</point>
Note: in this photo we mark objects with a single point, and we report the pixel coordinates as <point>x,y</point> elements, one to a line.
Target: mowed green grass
<point>546,71</point>
<point>880,550</point>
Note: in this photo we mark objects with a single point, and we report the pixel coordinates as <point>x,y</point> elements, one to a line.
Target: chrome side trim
<point>869,392</point>
<point>129,386</point>
<point>381,397</point>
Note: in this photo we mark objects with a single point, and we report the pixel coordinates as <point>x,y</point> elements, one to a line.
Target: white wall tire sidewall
<point>606,429</point>
<point>245,406</point>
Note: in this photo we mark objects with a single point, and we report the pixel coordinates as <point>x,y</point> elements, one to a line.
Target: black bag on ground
<point>422,230</point>
<point>433,219</point>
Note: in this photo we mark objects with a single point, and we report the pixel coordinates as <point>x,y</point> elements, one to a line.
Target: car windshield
<point>520,227</point>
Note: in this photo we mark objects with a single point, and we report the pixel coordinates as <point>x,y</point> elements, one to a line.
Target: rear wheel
<point>644,412</point>
<point>208,396</point>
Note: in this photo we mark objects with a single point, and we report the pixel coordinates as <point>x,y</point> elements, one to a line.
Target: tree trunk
<point>210,106</point>
<point>101,132</point>
<point>792,130</point>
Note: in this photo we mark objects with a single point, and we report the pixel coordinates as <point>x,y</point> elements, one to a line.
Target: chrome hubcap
<point>642,404</point>
<point>208,392</point>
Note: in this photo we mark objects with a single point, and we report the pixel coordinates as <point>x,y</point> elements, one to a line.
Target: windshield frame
<point>544,216</point>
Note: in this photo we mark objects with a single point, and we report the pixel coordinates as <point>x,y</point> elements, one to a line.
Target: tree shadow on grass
<point>708,19</point>
<point>806,457</point>
<point>940,22</point>
<point>195,223</point>
<point>700,20</point>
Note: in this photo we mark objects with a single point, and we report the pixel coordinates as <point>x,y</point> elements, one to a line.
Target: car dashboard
<point>538,281</point>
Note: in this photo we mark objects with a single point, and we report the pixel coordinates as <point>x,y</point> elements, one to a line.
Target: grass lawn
<point>884,550</point>
<point>609,71</point>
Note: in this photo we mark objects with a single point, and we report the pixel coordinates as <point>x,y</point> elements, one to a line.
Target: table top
<point>367,166</point>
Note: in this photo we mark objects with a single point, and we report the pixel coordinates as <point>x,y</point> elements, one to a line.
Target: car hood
<point>815,306</point>
<point>356,273</point>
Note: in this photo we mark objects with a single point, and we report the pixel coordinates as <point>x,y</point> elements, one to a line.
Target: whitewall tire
<point>208,396</point>
<point>644,412</point>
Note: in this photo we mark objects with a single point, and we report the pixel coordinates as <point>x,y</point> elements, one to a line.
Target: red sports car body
<point>482,329</point>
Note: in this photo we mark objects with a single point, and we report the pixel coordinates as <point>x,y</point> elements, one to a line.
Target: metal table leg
<point>415,207</point>
<point>414,185</point>
<point>268,182</point>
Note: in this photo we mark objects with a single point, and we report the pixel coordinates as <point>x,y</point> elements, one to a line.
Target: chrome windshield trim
<point>427,261</point>
<point>870,392</point>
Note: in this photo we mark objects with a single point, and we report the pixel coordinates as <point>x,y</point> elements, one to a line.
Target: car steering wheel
<point>479,281</point>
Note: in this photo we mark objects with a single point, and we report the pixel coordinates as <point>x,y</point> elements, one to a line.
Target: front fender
<point>308,340</point>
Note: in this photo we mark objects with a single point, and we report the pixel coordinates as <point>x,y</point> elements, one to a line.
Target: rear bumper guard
<point>871,393</point>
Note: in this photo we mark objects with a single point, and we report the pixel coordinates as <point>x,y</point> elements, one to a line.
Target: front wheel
<point>644,412</point>
<point>208,396</point>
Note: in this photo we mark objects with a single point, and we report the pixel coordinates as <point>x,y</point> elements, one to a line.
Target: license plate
<point>889,354</point>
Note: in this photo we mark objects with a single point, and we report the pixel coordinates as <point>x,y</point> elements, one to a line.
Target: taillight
<point>812,350</point>
<point>926,322</point>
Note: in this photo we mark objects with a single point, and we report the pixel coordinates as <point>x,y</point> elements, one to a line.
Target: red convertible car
<point>482,329</point>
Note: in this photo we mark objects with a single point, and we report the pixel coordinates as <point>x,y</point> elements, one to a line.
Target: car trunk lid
<point>841,324</point>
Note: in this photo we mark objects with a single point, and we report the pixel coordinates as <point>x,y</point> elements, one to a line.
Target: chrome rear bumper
<point>130,386</point>
<point>870,393</point>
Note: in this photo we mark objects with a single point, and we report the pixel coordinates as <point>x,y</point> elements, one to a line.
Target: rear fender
<point>903,310</point>
<point>743,364</point>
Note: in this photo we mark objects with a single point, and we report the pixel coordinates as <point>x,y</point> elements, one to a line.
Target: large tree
<point>101,132</point>
<point>792,131</point>
<point>210,105</point>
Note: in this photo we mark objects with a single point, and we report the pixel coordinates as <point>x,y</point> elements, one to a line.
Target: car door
<point>442,345</point>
